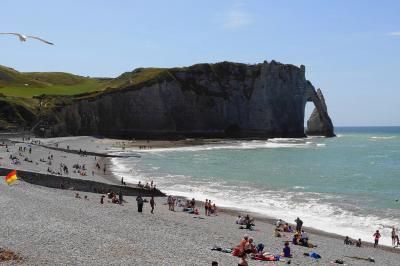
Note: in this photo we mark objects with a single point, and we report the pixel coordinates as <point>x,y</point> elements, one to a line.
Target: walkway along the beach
<point>62,182</point>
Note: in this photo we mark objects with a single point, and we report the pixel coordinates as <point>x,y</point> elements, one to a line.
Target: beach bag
<point>315,255</point>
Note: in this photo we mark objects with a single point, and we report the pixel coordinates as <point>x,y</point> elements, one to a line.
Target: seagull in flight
<point>23,38</point>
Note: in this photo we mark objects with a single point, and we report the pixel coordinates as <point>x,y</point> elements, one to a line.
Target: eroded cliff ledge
<point>205,100</point>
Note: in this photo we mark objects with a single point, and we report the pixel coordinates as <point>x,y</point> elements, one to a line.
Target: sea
<point>348,185</point>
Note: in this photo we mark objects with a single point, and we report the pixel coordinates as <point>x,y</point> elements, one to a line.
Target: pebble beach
<point>48,226</point>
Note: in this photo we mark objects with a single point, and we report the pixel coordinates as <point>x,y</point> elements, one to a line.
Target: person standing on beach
<point>299,224</point>
<point>394,236</point>
<point>139,203</point>
<point>206,207</point>
<point>120,197</point>
<point>377,235</point>
<point>152,204</point>
<point>102,199</point>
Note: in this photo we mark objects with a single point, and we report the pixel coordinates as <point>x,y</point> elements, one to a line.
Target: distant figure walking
<point>393,236</point>
<point>139,203</point>
<point>120,197</point>
<point>299,224</point>
<point>152,204</point>
<point>122,181</point>
<point>377,235</point>
<point>102,199</point>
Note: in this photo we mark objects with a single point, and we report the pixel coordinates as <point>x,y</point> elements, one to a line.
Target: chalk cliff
<point>205,100</point>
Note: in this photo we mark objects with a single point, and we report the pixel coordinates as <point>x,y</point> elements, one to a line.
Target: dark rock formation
<point>205,100</point>
<point>319,123</point>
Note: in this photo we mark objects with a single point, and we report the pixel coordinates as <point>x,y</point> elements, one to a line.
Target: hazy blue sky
<point>351,49</point>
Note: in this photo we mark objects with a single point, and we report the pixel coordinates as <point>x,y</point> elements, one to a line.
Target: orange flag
<point>11,177</point>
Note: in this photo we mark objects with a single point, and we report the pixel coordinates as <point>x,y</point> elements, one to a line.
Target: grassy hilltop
<point>25,97</point>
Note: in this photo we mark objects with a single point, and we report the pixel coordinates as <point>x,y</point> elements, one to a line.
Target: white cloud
<point>237,17</point>
<point>394,33</point>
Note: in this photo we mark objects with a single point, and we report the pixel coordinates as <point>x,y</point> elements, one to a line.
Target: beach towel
<point>236,251</point>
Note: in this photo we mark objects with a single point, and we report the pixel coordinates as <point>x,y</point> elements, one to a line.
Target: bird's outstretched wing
<point>37,38</point>
<point>13,33</point>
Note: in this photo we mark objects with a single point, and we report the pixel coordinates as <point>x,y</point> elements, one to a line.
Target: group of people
<point>147,185</point>
<point>210,208</point>
<point>247,247</point>
<point>245,221</point>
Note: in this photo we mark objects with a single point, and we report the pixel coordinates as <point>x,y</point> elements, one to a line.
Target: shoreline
<point>162,228</point>
<point>272,221</point>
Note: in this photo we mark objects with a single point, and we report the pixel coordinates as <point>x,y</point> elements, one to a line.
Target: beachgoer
<point>358,243</point>
<point>394,236</point>
<point>139,203</point>
<point>304,238</point>
<point>214,209</point>
<point>102,199</point>
<point>243,242</point>
<point>286,250</point>
<point>206,207</point>
<point>277,233</point>
<point>249,247</point>
<point>120,197</point>
<point>299,224</point>
<point>242,260</point>
<point>238,219</point>
<point>347,241</point>
<point>152,204</point>
<point>173,200</point>
<point>193,202</point>
<point>77,196</point>
<point>122,181</point>
<point>377,235</point>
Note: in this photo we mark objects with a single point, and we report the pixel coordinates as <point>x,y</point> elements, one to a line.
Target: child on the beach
<point>286,250</point>
<point>377,235</point>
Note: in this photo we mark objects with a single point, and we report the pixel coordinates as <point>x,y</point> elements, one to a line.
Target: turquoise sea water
<point>346,185</point>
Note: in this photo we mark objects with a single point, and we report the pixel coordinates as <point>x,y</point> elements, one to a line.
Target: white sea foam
<point>321,211</point>
<point>382,137</point>
<point>244,145</point>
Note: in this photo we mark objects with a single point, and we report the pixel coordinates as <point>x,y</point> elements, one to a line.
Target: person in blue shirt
<point>286,250</point>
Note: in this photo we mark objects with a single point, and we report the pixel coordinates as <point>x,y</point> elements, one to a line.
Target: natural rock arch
<point>319,123</point>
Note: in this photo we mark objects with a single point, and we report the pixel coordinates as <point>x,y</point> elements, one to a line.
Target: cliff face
<point>208,100</point>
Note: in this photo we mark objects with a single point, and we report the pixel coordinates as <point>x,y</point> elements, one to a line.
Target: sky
<point>351,49</point>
